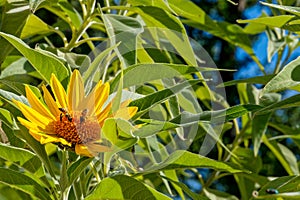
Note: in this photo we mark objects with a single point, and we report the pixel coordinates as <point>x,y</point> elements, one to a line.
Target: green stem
<point>63,182</point>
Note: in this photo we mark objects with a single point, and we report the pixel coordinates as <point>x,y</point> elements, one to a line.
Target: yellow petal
<point>102,115</point>
<point>82,150</point>
<point>125,113</point>
<point>36,104</point>
<point>75,91</point>
<point>50,102</point>
<point>58,91</point>
<point>91,149</point>
<point>51,138</point>
<point>97,98</point>
<point>33,115</point>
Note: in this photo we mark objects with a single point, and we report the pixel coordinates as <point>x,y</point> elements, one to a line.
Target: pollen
<point>77,129</point>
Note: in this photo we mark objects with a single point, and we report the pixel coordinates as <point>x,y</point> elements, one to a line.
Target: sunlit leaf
<point>183,159</point>
<point>24,183</point>
<point>124,187</point>
<point>43,63</point>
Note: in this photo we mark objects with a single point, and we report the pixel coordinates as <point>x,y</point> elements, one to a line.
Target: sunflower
<point>71,118</point>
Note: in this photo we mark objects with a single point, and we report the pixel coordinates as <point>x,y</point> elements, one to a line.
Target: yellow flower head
<point>70,117</point>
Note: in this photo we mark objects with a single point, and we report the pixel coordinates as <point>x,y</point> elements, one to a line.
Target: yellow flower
<point>70,117</point>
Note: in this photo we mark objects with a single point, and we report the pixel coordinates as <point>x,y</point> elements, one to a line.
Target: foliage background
<point>261,129</point>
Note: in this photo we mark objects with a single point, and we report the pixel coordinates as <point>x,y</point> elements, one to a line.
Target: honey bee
<point>64,112</point>
<point>83,115</point>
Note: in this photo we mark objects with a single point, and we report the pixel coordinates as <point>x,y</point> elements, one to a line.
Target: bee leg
<point>61,117</point>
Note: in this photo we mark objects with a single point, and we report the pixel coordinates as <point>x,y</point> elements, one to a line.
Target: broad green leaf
<point>9,135</point>
<point>254,80</point>
<point>172,175</point>
<point>181,159</point>
<point>36,4</point>
<point>290,9</point>
<point>247,160</point>
<point>13,17</point>
<point>89,72</point>
<point>24,183</point>
<point>284,156</point>
<point>287,187</point>
<point>8,193</point>
<point>9,96</point>
<point>273,21</point>
<point>69,11</point>
<point>155,71</point>
<point>38,148</point>
<point>123,30</point>
<point>276,42</point>
<point>119,146</point>
<point>283,80</point>
<point>197,18</point>
<point>157,3</point>
<point>187,190</point>
<point>45,64</point>
<point>34,26</point>
<point>259,128</point>
<point>153,127</point>
<point>148,101</point>
<point>115,128</point>
<point>218,195</point>
<point>160,22</point>
<point>25,158</point>
<point>76,168</point>
<point>20,71</point>
<point>8,126</point>
<point>124,187</point>
<point>293,101</point>
<point>215,116</point>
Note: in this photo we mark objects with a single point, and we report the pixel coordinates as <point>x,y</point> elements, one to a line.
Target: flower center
<point>77,127</point>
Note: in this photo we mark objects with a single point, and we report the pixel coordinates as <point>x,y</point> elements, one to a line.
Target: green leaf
<point>36,4</point>
<point>25,158</point>
<point>254,80</point>
<point>187,190</point>
<point>124,187</point>
<point>123,30</point>
<point>70,12</point>
<point>89,71</point>
<point>76,168</point>
<point>148,101</point>
<point>218,195</point>
<point>283,80</point>
<point>284,155</point>
<point>181,159</point>
<point>215,116</point>
<point>34,26</point>
<point>247,160</point>
<point>293,101</point>
<point>197,18</point>
<point>290,9</point>
<point>274,21</point>
<point>161,23</point>
<point>259,128</point>
<point>37,148</point>
<point>13,17</point>
<point>45,64</point>
<point>115,128</point>
<point>154,71</point>
<point>24,183</point>
<point>153,127</point>
<point>287,187</point>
